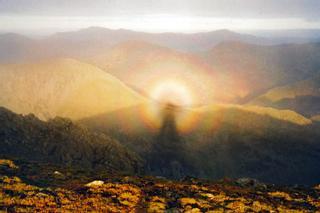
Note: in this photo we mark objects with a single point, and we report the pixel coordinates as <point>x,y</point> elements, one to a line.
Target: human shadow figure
<point>168,155</point>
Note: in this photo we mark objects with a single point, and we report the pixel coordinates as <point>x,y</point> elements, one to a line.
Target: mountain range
<point>228,62</point>
<point>95,40</point>
<point>256,113</point>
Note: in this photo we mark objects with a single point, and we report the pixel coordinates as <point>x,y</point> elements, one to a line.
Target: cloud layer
<point>305,9</point>
<point>158,15</point>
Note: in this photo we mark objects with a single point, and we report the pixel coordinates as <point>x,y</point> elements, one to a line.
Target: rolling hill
<point>267,144</point>
<point>259,68</point>
<point>142,65</point>
<point>275,146</point>
<point>231,72</point>
<point>233,67</point>
<point>316,118</point>
<point>62,87</point>
<point>302,96</point>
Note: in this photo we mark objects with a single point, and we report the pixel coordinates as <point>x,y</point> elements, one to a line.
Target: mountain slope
<point>258,68</point>
<point>59,141</point>
<point>231,72</point>
<point>143,65</point>
<point>276,146</point>
<point>302,96</point>
<point>15,48</point>
<point>316,118</point>
<point>259,143</point>
<point>234,67</point>
<point>62,87</point>
<point>281,115</point>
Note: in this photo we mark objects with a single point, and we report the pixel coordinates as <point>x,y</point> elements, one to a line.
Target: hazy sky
<point>44,16</point>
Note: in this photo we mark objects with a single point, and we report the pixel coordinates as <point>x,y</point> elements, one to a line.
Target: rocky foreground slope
<point>34,187</point>
<point>61,142</point>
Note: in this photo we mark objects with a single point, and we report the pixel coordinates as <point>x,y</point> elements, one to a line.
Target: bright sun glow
<point>172,92</point>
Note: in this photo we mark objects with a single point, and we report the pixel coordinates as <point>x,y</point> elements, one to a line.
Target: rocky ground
<point>32,187</point>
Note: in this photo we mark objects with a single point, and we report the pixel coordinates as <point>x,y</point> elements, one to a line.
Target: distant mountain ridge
<point>179,41</point>
<point>95,40</point>
<point>259,68</point>
<point>238,71</point>
<point>244,66</point>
